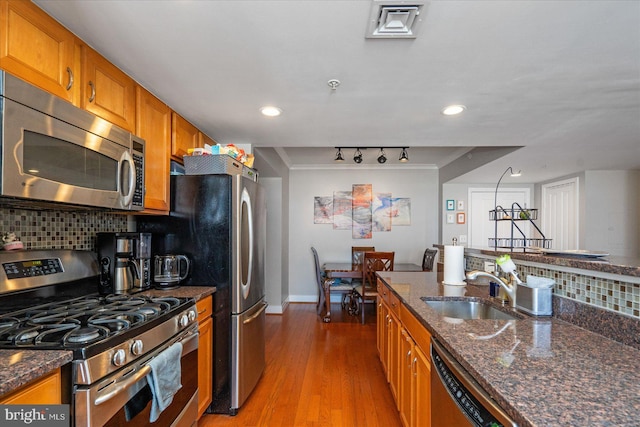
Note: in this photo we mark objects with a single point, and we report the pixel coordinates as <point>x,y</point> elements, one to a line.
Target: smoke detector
<point>391,19</point>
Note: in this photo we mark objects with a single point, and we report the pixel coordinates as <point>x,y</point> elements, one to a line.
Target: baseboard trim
<point>277,309</point>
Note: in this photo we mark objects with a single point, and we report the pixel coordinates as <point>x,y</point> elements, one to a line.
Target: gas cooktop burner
<point>83,323</point>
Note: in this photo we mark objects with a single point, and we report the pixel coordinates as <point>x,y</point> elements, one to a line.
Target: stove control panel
<point>31,268</point>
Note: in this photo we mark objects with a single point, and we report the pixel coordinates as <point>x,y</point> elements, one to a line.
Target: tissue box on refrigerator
<point>535,301</point>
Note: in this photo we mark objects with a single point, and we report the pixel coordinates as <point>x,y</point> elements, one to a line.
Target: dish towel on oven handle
<point>164,379</point>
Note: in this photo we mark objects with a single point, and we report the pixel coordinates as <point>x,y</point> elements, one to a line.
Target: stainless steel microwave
<point>53,151</point>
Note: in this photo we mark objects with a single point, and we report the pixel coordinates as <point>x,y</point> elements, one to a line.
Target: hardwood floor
<point>317,375</point>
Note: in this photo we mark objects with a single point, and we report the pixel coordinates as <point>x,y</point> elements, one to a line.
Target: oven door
<point>124,399</point>
<point>66,155</point>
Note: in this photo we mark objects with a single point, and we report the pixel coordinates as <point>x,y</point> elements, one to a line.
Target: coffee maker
<point>125,262</point>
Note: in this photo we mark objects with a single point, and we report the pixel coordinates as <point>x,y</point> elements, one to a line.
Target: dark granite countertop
<point>195,292</point>
<point>21,366</point>
<point>543,372</point>
<point>625,266</point>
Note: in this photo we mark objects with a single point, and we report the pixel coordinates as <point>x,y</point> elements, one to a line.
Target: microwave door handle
<point>127,159</point>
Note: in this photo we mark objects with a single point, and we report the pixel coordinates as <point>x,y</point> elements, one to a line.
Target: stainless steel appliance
<point>168,271</point>
<point>219,222</point>
<point>125,261</point>
<point>52,151</point>
<point>48,301</point>
<point>457,399</point>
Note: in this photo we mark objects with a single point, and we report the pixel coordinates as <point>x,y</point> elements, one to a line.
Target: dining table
<point>348,270</point>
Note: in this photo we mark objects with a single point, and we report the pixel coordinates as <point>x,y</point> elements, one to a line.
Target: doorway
<point>560,219</point>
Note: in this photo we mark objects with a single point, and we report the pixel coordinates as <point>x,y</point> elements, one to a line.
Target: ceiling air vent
<point>392,19</point>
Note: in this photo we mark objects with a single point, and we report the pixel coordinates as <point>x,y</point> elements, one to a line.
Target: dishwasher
<point>457,399</point>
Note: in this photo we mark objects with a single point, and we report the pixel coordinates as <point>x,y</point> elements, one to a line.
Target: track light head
<point>357,156</point>
<point>404,156</point>
<point>339,157</point>
<point>382,157</point>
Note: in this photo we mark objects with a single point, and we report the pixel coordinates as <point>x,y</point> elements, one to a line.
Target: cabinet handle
<point>93,91</point>
<point>201,312</point>
<point>70,72</point>
<point>406,358</point>
<point>413,366</point>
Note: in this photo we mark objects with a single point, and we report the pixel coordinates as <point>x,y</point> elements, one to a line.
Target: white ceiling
<point>560,78</point>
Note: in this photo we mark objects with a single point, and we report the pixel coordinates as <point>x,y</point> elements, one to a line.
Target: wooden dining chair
<point>428,258</point>
<point>372,262</point>
<point>357,253</point>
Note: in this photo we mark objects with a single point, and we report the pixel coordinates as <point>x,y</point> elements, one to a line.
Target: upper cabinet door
<point>36,48</point>
<point>184,135</point>
<point>153,124</point>
<point>205,139</point>
<point>107,91</point>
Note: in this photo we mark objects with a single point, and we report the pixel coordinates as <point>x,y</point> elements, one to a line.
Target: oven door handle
<point>120,387</point>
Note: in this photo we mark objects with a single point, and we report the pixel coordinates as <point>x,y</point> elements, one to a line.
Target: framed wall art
<point>451,205</point>
<point>460,217</point>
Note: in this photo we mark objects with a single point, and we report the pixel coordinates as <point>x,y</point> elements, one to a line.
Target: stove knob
<point>119,358</point>
<point>184,320</point>
<point>192,315</point>
<point>136,347</point>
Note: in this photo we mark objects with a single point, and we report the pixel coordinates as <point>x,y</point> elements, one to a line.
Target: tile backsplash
<point>59,229</point>
<point>610,294</point>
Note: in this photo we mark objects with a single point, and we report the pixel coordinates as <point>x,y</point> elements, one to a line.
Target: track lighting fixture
<point>404,157</point>
<point>357,156</point>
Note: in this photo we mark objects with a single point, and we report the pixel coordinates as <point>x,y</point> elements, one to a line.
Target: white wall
<point>408,242</point>
<point>612,202</point>
<point>275,294</point>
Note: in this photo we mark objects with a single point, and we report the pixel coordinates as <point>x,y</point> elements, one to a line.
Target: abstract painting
<point>381,212</point>
<point>401,211</point>
<point>361,211</point>
<point>342,210</point>
<point>323,210</point>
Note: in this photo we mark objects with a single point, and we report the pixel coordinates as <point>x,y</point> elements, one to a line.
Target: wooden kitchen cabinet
<point>153,124</point>
<point>205,353</point>
<point>184,135</point>
<point>393,347</point>
<point>46,390</point>
<point>205,139</point>
<point>36,48</point>
<point>403,347</point>
<point>388,338</point>
<point>107,91</point>
<point>382,334</point>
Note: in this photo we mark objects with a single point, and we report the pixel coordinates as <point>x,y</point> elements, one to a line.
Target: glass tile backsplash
<point>615,295</point>
<point>52,229</point>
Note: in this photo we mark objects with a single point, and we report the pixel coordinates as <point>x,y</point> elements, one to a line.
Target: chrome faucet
<point>510,289</point>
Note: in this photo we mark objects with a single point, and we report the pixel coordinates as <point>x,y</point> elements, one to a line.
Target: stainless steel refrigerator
<point>219,222</point>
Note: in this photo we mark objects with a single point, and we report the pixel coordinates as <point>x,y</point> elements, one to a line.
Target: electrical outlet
<point>489,267</point>
<point>463,238</point>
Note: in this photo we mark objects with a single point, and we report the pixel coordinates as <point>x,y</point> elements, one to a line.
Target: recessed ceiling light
<point>452,110</point>
<point>271,111</point>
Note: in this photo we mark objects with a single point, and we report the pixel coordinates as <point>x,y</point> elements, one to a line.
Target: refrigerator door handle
<point>245,202</point>
<point>256,314</point>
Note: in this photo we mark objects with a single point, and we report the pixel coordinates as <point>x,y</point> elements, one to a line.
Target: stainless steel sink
<point>468,309</point>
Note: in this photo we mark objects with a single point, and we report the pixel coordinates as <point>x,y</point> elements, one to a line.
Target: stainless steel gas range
<point>49,300</point>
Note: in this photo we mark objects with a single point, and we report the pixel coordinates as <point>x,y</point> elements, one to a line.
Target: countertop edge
<point>23,366</point>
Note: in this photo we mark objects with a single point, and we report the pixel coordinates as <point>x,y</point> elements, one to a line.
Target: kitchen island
<point>541,371</point>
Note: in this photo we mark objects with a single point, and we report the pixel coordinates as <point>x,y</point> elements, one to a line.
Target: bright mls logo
<point>35,415</point>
